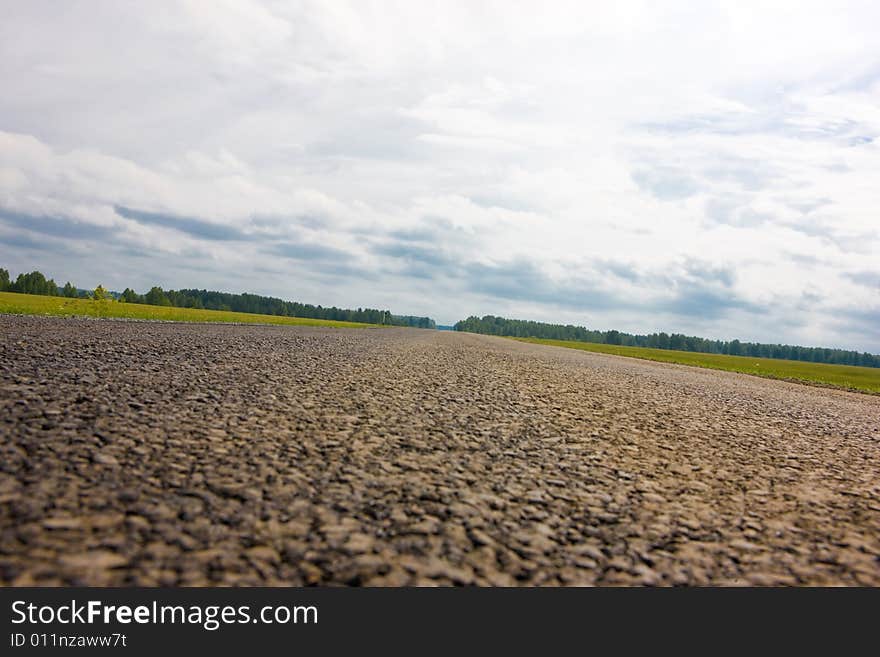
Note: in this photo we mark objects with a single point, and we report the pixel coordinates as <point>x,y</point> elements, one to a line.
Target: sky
<point>710,168</point>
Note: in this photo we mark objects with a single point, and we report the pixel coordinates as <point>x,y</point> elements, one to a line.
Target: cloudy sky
<point>699,167</point>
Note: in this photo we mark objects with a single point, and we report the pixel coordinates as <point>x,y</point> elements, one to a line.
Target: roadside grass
<point>32,304</point>
<point>863,379</point>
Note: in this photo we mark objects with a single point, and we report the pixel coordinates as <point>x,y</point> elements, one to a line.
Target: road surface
<point>139,453</point>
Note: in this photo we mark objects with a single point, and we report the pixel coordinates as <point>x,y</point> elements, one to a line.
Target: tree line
<point>36,283</point>
<point>519,328</point>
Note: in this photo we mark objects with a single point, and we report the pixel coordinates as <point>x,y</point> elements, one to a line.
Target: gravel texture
<point>184,454</point>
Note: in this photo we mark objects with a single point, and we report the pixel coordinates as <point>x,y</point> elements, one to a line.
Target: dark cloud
<point>324,261</point>
<point>863,324</point>
<point>24,241</point>
<point>413,254</point>
<point>808,300</point>
<point>60,227</point>
<point>417,234</point>
<point>622,270</point>
<point>191,226</point>
<point>706,272</point>
<point>702,290</point>
<point>704,301</point>
<point>274,222</point>
<point>343,270</point>
<point>867,278</point>
<point>522,280</point>
<point>845,241</point>
<point>868,317</point>
<point>430,229</point>
<point>417,261</point>
<point>698,288</point>
<point>309,251</point>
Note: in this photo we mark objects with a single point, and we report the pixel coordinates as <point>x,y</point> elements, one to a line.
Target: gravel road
<point>135,453</point>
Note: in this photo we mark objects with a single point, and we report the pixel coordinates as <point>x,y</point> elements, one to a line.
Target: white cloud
<point>356,153</point>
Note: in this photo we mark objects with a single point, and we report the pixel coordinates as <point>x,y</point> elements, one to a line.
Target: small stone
<point>263,553</point>
<point>98,560</point>
<point>590,551</point>
<point>205,556</point>
<point>535,496</point>
<point>105,520</point>
<point>311,573</point>
<point>127,495</point>
<point>62,523</point>
<point>479,537</point>
<point>357,543</point>
<point>368,565</point>
<point>437,568</point>
<point>745,546</point>
<point>105,459</point>
<point>137,522</point>
<point>425,527</point>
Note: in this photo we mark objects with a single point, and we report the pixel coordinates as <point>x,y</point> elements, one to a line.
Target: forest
<point>36,283</point>
<point>519,328</point>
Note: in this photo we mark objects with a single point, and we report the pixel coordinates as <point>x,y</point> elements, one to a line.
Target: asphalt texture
<point>140,453</point>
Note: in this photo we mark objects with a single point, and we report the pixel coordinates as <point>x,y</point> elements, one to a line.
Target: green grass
<point>864,379</point>
<point>31,304</point>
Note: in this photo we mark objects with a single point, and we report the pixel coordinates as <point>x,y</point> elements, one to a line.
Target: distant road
<point>191,454</point>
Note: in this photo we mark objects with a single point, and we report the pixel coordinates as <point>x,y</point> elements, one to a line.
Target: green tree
<point>100,294</point>
<point>70,290</point>
<point>34,283</point>
<point>157,297</point>
<point>130,296</point>
<point>4,280</point>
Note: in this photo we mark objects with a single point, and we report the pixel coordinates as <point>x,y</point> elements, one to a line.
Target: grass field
<point>864,379</point>
<point>31,304</point>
